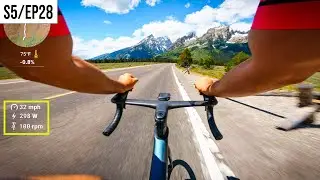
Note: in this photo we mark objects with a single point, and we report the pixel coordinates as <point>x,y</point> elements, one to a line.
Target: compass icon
<point>27,35</point>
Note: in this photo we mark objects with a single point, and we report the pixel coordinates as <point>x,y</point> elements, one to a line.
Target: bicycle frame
<point>159,164</point>
<point>161,150</point>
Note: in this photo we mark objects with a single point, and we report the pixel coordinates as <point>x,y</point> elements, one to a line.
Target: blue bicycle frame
<point>159,165</point>
<point>160,169</point>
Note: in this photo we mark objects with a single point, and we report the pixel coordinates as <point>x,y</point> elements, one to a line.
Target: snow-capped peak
<point>158,45</point>
<point>184,40</point>
<point>238,38</point>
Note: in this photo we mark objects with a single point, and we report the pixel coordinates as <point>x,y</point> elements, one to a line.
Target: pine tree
<point>236,60</point>
<point>185,58</point>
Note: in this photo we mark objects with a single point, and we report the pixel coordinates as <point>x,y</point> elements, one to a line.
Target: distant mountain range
<point>183,40</point>
<point>220,42</point>
<point>145,49</point>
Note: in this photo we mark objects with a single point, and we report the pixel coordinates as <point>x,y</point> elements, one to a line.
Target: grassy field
<point>315,80</point>
<point>218,72</point>
<point>7,74</point>
<point>121,65</point>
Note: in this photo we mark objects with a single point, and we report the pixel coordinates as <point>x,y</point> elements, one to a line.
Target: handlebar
<point>113,125</point>
<point>121,100</point>
<point>212,124</point>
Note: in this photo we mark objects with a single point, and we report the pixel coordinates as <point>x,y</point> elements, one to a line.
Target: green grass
<point>315,80</point>
<point>121,65</point>
<point>218,72</point>
<point>7,74</point>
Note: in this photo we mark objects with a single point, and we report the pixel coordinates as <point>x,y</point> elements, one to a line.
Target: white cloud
<point>206,15</point>
<point>187,5</point>
<point>107,22</point>
<point>112,6</point>
<point>152,2</point>
<point>173,28</point>
<point>241,26</point>
<point>170,27</point>
<point>116,6</point>
<point>92,48</point>
<point>229,12</point>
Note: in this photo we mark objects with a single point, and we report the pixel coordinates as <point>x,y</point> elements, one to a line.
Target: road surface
<point>251,149</point>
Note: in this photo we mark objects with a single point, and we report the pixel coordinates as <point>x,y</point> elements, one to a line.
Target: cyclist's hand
<point>203,85</point>
<point>128,80</point>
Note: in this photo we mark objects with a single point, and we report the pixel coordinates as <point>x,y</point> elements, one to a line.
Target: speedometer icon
<point>27,35</point>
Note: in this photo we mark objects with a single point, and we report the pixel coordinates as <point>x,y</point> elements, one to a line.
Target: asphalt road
<point>252,148</point>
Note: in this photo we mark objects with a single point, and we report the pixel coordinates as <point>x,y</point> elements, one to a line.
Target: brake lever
<point>211,99</point>
<point>120,98</point>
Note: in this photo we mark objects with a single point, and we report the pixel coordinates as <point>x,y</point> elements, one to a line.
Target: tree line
<point>122,60</point>
<point>185,60</point>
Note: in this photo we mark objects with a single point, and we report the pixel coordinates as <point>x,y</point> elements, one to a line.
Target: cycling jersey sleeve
<point>287,14</point>
<point>61,28</point>
<point>2,34</point>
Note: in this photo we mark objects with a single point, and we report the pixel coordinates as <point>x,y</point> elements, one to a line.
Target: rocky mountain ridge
<point>151,46</point>
<point>146,48</point>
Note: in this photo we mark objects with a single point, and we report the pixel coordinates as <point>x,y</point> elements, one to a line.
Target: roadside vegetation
<point>205,65</point>
<point>208,66</point>
<point>121,65</point>
<point>7,74</point>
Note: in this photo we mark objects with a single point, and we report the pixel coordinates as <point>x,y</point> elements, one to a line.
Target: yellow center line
<point>59,95</point>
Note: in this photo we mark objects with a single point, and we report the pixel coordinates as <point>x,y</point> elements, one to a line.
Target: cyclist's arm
<point>60,68</point>
<point>279,58</point>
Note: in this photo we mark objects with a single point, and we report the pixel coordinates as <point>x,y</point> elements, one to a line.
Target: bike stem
<point>161,114</point>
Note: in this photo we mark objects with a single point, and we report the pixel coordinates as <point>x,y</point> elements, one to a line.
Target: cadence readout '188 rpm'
<point>27,35</point>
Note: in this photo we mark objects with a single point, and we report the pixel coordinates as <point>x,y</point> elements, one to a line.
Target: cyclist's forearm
<point>234,83</point>
<point>94,77</point>
<point>81,76</point>
<point>249,78</point>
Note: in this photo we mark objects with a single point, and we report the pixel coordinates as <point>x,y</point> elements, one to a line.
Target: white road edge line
<point>207,145</point>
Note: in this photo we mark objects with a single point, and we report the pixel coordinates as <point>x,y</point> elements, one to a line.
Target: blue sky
<point>103,26</point>
<point>123,24</point>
